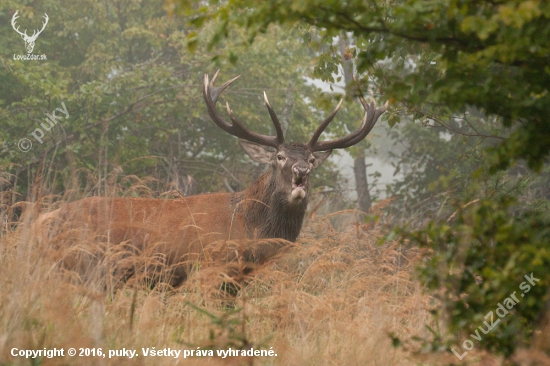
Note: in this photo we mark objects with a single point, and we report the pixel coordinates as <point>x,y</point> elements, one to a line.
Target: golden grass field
<point>332,299</point>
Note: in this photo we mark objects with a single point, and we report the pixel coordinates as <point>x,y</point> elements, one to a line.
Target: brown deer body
<point>180,230</point>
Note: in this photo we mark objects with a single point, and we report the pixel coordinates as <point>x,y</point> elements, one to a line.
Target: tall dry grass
<point>332,299</point>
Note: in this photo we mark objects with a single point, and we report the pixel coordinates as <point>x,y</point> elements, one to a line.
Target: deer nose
<point>300,171</point>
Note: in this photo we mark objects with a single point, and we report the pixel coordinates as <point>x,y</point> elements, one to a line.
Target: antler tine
<point>211,95</point>
<point>313,141</point>
<point>216,75</point>
<point>275,120</point>
<point>369,120</point>
<point>217,91</point>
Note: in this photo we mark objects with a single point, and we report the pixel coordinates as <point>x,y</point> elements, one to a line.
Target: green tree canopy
<point>133,91</point>
<point>493,55</point>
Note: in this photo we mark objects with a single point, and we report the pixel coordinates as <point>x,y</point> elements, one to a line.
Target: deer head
<point>29,40</point>
<point>291,162</point>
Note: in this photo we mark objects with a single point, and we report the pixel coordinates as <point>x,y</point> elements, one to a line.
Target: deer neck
<point>267,212</point>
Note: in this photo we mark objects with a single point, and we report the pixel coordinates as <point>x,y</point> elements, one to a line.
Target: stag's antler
<point>369,120</point>
<point>211,95</point>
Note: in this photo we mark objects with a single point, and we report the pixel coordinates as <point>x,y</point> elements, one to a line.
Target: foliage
<point>434,159</point>
<point>133,92</point>
<point>477,257</point>
<point>493,55</point>
<point>484,232</point>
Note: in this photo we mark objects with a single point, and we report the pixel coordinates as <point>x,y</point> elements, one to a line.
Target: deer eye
<point>312,160</point>
<point>280,157</point>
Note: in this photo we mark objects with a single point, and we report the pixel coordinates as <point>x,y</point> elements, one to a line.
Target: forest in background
<point>470,135</point>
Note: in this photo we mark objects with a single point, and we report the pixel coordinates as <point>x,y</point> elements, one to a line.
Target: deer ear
<point>320,156</point>
<point>258,153</point>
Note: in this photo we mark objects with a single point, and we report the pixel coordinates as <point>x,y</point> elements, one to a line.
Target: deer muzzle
<point>299,181</point>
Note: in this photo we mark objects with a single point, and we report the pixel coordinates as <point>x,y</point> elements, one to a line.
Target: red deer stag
<point>179,230</point>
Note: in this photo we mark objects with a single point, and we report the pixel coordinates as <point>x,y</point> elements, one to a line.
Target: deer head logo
<point>29,40</point>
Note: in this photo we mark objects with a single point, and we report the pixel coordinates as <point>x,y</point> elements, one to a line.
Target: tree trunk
<point>359,167</point>
<point>361,183</point>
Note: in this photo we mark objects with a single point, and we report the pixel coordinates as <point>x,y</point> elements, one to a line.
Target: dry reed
<point>332,299</point>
